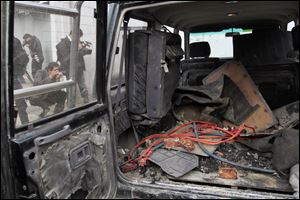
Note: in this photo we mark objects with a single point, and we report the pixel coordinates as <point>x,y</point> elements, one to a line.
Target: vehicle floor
<point>208,173</point>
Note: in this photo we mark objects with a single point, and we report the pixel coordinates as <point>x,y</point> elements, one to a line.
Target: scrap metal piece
<point>223,98</point>
<point>239,108</point>
<point>288,115</point>
<point>262,118</point>
<point>174,163</point>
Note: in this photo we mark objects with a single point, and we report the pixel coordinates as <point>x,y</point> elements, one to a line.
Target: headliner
<point>212,15</point>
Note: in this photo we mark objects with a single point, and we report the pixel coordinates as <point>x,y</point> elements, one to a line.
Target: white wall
<point>88,26</point>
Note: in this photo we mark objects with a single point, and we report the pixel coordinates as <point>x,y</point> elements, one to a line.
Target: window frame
<point>100,69</point>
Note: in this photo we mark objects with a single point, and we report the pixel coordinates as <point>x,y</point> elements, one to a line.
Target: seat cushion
<point>153,74</point>
<point>199,49</point>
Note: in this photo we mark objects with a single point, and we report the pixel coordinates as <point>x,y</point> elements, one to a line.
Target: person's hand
<point>53,74</point>
<point>36,58</point>
<point>60,74</point>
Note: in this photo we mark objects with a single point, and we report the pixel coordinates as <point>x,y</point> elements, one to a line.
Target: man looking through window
<point>50,75</point>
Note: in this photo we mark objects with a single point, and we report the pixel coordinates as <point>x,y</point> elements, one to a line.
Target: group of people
<point>52,73</point>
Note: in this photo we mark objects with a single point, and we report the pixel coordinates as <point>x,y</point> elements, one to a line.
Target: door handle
<point>39,141</point>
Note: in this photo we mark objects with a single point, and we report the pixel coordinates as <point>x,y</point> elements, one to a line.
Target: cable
<point>190,136</point>
<point>185,132</point>
<point>227,161</point>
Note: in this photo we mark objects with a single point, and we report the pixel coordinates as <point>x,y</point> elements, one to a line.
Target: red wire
<point>186,134</point>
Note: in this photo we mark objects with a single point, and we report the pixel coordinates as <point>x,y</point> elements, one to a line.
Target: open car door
<point>67,154</point>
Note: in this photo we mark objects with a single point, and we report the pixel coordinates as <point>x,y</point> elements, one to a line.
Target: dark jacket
<point>21,59</point>
<point>41,78</point>
<point>63,56</point>
<point>36,49</point>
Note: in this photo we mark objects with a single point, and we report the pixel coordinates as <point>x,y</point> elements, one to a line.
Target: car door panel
<point>70,156</point>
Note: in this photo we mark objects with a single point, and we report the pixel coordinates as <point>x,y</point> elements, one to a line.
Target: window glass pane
<point>42,59</point>
<point>220,45</point>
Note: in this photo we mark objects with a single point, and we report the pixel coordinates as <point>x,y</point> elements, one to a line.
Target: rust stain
<point>227,173</point>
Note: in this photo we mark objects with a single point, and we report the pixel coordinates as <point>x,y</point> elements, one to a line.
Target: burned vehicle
<point>186,100</point>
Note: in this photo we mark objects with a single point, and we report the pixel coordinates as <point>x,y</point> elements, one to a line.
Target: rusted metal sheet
<point>263,117</point>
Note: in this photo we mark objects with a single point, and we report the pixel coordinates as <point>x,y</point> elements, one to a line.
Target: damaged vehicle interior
<point>186,115</point>
<point>175,99</point>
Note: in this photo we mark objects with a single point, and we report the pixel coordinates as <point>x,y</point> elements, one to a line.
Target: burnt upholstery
<point>265,54</point>
<point>266,46</point>
<point>153,74</point>
<point>192,70</point>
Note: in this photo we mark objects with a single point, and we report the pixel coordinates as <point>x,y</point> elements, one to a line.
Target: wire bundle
<point>186,131</point>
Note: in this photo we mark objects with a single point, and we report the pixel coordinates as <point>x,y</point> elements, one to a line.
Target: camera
<point>86,47</point>
<point>86,43</point>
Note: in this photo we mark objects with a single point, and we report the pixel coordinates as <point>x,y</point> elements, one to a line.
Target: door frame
<point>11,165</point>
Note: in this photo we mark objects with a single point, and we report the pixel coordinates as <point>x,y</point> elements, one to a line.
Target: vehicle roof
<point>203,16</point>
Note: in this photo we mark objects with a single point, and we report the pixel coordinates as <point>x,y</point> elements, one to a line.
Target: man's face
<point>27,41</point>
<point>54,72</point>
